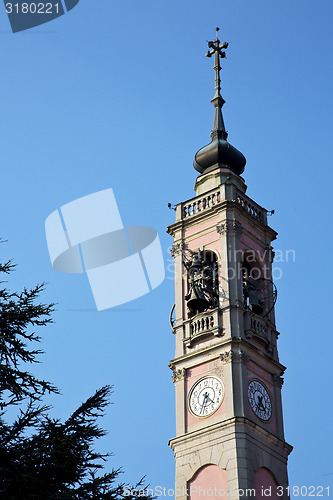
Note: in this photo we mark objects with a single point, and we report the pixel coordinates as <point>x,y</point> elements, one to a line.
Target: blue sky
<point>117,94</point>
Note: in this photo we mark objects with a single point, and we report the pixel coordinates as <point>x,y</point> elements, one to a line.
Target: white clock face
<point>260,400</point>
<point>206,396</point>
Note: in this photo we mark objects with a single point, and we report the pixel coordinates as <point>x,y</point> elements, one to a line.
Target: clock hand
<point>211,400</point>
<point>204,402</point>
<point>260,403</point>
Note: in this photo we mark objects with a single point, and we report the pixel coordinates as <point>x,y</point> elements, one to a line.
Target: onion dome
<point>218,153</point>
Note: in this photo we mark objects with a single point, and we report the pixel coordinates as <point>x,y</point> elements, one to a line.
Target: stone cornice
<point>257,430</point>
<point>223,206</point>
<point>206,350</point>
<point>259,357</point>
<point>233,426</point>
<point>236,344</point>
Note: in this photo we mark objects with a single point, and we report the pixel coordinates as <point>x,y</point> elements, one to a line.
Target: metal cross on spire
<point>217,48</point>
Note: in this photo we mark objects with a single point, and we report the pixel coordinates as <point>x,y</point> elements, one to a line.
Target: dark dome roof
<point>219,153</point>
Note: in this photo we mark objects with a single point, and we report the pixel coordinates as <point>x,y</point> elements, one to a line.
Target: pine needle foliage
<point>42,458</point>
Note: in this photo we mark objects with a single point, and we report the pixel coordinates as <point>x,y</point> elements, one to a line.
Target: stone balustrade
<point>260,329</point>
<point>202,324</point>
<point>251,207</point>
<point>196,206</point>
<point>207,323</point>
<point>258,326</point>
<point>212,198</point>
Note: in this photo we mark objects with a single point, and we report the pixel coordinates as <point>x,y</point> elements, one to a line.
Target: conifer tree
<point>42,458</point>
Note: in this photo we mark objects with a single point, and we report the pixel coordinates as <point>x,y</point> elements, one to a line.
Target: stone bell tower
<point>229,426</point>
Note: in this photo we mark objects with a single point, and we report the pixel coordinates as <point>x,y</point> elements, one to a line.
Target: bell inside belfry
<point>197,304</point>
<point>253,302</point>
<point>202,293</point>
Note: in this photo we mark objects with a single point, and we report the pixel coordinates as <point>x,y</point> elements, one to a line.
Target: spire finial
<point>219,153</point>
<point>217,49</point>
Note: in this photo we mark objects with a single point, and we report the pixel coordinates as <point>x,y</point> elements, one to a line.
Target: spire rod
<point>217,49</point>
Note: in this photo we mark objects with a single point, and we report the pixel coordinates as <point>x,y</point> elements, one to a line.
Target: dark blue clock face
<point>260,400</point>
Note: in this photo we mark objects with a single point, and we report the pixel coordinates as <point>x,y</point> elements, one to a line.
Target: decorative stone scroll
<point>222,229</point>
<point>177,248</point>
<point>178,374</point>
<point>270,254</point>
<point>235,355</point>
<point>227,356</point>
<point>278,380</point>
<point>228,227</point>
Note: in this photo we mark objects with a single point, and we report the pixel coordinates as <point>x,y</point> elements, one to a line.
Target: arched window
<point>251,279</point>
<point>209,482</point>
<point>259,291</point>
<point>265,485</point>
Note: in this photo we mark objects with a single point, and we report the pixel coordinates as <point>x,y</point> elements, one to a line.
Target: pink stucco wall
<point>211,223</point>
<point>209,482</point>
<point>248,242</point>
<point>265,485</point>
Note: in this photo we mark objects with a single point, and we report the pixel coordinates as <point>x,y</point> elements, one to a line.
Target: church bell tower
<point>229,425</point>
